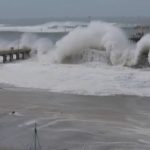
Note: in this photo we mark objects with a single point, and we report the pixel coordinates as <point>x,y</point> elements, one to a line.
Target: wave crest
<point>98,35</point>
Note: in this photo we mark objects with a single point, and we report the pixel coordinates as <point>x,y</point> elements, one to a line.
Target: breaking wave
<point>49,27</point>
<point>55,26</point>
<point>102,42</point>
<point>142,57</point>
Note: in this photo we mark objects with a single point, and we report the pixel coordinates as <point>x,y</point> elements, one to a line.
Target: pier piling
<point>8,55</point>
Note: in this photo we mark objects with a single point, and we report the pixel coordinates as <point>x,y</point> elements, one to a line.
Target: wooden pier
<point>14,54</point>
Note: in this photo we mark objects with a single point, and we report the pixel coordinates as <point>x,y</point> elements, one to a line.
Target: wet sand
<point>73,122</point>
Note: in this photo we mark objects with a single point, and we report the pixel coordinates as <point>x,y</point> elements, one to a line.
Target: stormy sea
<point>86,85</point>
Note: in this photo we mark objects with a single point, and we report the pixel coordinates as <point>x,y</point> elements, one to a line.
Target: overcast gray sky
<point>75,8</point>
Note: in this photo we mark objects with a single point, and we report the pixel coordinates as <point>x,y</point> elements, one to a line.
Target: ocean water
<point>80,56</point>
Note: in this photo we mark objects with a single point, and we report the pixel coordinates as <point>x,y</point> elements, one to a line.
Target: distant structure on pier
<point>138,33</point>
<point>12,54</point>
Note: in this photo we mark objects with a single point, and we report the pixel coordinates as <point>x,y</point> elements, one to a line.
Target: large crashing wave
<point>99,36</point>
<point>101,41</point>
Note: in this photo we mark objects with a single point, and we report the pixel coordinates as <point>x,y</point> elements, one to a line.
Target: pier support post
<point>28,54</point>
<point>11,57</point>
<point>23,55</point>
<point>4,58</point>
<point>17,56</point>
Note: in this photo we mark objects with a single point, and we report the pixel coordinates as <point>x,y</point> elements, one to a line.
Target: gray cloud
<point>79,8</point>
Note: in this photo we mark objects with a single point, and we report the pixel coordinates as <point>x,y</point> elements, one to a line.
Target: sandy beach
<point>73,122</point>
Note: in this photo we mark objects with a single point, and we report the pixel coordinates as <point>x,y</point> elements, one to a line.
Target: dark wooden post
<point>11,57</point>
<point>17,56</point>
<point>23,55</point>
<point>4,58</point>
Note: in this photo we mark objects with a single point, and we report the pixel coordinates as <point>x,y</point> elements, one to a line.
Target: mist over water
<point>39,46</point>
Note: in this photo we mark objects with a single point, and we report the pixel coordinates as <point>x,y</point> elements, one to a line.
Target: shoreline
<point>9,87</point>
